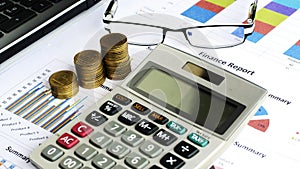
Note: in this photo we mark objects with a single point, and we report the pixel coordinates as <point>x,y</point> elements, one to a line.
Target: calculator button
<point>146,127</point>
<point>158,118</point>
<point>134,160</point>
<point>176,128</point>
<point>85,152</point>
<point>120,167</point>
<point>150,149</point>
<point>121,99</point>
<point>103,161</point>
<point>115,129</point>
<point>70,163</point>
<point>118,150</point>
<point>155,167</point>
<point>197,139</point>
<point>52,153</point>
<point>185,149</point>
<point>171,161</point>
<point>95,118</point>
<point>67,141</point>
<point>139,108</point>
<point>100,140</point>
<point>81,129</point>
<point>131,138</point>
<point>86,167</point>
<point>164,137</point>
<point>129,118</point>
<point>110,108</point>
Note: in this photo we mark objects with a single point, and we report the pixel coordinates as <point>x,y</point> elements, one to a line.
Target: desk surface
<point>271,140</point>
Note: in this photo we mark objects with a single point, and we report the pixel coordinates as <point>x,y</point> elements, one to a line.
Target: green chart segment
<point>272,15</point>
<point>204,10</point>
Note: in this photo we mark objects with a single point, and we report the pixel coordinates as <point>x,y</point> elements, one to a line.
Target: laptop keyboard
<point>22,22</point>
<point>14,13</point>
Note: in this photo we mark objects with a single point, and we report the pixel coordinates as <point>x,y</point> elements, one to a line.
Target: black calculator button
<point>158,118</point>
<point>155,167</point>
<point>52,153</point>
<point>95,118</point>
<point>121,99</point>
<point>146,127</point>
<point>185,149</point>
<point>164,137</point>
<point>129,118</point>
<point>110,108</point>
<point>171,161</point>
<point>139,108</point>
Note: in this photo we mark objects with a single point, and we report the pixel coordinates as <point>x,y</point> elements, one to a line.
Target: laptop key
<point>41,6</point>
<point>17,20</point>
<point>5,4</point>
<point>13,10</point>
<point>28,3</point>
<point>3,18</point>
<point>55,1</point>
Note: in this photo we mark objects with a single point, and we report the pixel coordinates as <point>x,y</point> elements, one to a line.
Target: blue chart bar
<point>38,106</point>
<point>294,51</point>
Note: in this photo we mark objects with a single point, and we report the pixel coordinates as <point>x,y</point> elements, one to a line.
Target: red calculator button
<point>67,141</point>
<point>81,129</point>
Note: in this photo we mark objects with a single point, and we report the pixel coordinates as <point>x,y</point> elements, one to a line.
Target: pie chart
<point>260,120</point>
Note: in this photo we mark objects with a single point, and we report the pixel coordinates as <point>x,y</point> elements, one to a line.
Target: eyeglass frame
<point>113,5</point>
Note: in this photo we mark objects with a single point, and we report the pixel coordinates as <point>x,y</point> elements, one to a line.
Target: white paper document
<point>270,57</point>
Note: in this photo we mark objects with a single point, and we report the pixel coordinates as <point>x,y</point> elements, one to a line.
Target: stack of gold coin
<point>63,84</point>
<point>114,49</point>
<point>89,69</point>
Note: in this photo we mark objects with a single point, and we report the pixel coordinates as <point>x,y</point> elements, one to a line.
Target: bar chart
<point>271,16</point>
<point>294,51</point>
<point>32,100</point>
<point>205,10</point>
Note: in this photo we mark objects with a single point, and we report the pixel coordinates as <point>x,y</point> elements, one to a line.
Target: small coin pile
<point>114,50</point>
<point>63,84</point>
<point>89,69</point>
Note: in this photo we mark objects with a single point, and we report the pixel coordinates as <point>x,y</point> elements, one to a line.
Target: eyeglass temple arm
<point>251,18</point>
<point>252,12</point>
<point>110,11</point>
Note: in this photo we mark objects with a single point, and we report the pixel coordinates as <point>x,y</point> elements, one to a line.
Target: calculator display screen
<point>187,99</point>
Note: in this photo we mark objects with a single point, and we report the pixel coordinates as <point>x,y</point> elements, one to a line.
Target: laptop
<point>22,22</point>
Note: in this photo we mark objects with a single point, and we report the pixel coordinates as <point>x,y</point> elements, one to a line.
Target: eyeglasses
<point>149,29</point>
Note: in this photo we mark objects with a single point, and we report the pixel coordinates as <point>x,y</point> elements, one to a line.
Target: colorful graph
<point>7,164</point>
<point>204,10</point>
<point>41,108</point>
<point>261,123</point>
<point>32,100</point>
<point>271,16</point>
<point>294,51</point>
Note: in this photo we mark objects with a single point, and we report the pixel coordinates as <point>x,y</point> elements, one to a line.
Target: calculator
<point>173,111</point>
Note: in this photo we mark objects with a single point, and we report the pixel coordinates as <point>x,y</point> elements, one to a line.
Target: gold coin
<point>63,84</point>
<point>114,50</point>
<point>87,58</point>
<point>112,40</point>
<point>89,68</point>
